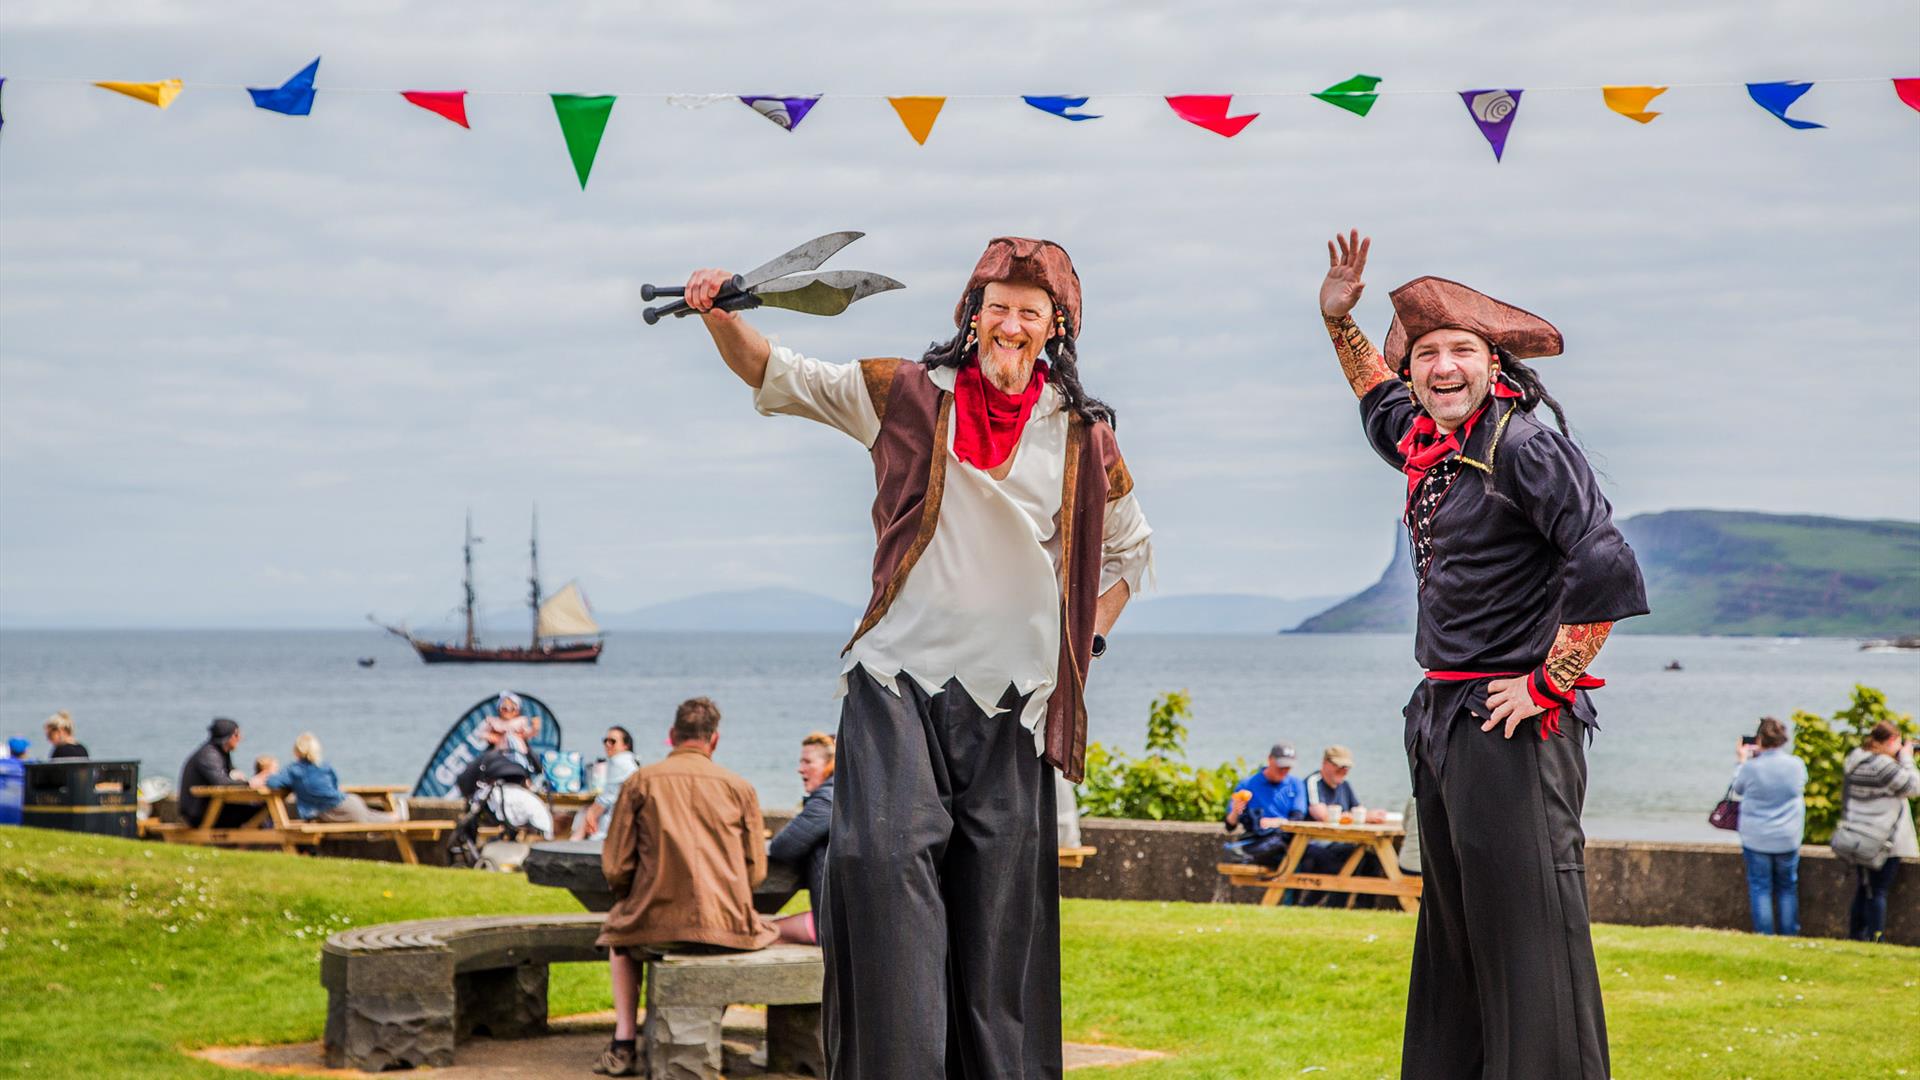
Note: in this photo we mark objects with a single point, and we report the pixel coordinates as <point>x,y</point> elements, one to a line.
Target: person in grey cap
<point>1265,799</point>
<point>211,765</point>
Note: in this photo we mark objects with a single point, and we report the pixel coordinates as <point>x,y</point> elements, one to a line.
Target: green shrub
<point>1823,745</point>
<point>1160,785</point>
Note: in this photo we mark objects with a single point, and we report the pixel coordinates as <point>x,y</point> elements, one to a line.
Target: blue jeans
<point>1773,881</point>
<point>1867,921</point>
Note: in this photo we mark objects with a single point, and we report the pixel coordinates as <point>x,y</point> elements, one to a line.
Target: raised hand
<point>1346,262</point>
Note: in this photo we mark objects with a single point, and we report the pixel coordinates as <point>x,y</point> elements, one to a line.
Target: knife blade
<point>807,256</point>
<point>828,293</point>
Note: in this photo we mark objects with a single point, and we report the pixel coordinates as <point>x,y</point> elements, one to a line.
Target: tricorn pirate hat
<point>1426,304</point>
<point>1022,261</point>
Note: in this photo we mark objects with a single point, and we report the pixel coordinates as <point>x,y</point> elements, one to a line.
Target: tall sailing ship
<point>560,623</point>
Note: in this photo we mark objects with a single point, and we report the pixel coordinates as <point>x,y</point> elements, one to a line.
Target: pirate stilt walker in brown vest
<point>1009,539</point>
<point>1521,576</point>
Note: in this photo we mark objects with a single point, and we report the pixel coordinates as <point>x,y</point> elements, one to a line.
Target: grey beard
<point>1002,376</point>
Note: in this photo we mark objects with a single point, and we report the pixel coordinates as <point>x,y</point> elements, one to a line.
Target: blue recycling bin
<point>13,790</point>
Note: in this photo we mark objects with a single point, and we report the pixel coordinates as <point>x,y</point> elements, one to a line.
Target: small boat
<point>560,622</point>
<point>366,661</point>
<point>1674,665</point>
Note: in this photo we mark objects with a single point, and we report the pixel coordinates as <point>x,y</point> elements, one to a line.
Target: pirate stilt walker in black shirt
<point>1521,574</point>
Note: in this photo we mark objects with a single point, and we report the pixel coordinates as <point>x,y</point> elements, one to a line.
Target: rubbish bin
<point>13,788</point>
<point>83,795</point>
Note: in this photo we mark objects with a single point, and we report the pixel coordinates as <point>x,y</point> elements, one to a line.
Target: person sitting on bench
<point>802,844</point>
<point>211,765</point>
<point>316,788</point>
<point>684,850</point>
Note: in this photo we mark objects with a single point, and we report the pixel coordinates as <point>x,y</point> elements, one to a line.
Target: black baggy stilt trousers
<point>1504,985</point>
<point>942,910</point>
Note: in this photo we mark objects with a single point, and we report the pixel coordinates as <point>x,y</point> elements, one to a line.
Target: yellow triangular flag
<point>1631,101</point>
<point>153,93</point>
<point>918,113</point>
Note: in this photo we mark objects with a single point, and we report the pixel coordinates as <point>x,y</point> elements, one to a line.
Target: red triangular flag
<point>1909,91</point>
<point>1210,111</point>
<point>451,104</point>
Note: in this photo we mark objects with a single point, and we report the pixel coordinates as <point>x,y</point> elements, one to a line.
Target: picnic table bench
<point>1377,839</point>
<point>403,994</point>
<point>273,824</point>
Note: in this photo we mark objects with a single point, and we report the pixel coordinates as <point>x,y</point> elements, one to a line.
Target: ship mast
<point>467,582</point>
<point>533,556</point>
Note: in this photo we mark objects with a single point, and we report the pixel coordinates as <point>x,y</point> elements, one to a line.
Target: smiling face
<point>1015,323</point>
<point>1452,371</point>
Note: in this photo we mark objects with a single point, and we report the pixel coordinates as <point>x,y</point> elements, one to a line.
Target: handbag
<point>1726,813</point>
<point>1856,842</point>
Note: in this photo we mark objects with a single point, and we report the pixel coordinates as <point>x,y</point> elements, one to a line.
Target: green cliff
<point>1724,572</point>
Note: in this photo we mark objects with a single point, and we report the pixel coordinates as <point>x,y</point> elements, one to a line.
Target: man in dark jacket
<point>1521,575</point>
<point>802,844</point>
<point>211,765</point>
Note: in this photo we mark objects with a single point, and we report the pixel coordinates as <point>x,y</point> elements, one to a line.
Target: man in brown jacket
<point>1007,541</point>
<point>684,849</point>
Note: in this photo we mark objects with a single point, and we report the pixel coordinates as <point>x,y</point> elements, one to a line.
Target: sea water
<point>1662,759</point>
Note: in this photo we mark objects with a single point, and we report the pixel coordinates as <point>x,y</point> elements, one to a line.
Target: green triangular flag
<point>1354,95</point>
<point>583,119</point>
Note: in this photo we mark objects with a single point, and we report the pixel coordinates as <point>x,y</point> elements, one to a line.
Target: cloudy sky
<point>256,368</point>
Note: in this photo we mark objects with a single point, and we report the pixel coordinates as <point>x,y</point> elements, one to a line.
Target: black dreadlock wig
<point>1062,363</point>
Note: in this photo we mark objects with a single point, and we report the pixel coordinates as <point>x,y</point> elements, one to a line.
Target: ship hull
<point>435,653</point>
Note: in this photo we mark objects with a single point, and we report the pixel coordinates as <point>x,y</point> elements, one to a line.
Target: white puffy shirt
<point>983,602</point>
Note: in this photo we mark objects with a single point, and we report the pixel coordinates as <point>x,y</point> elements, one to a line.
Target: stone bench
<point>400,995</point>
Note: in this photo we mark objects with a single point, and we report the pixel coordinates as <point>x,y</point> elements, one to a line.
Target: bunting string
<point>583,117</point>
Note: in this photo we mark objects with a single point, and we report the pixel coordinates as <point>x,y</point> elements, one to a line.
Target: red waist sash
<point>1543,693</point>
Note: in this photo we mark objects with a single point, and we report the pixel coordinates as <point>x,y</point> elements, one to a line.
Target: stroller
<point>499,789</point>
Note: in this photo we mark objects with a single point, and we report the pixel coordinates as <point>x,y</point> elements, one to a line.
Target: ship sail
<point>565,614</point>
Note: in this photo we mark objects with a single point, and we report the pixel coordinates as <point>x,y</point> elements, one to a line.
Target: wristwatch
<point>1099,646</point>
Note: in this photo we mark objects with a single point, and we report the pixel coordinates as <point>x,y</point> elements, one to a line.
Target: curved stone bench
<point>400,995</point>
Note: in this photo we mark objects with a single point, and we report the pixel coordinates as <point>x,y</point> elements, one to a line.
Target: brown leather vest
<point>909,474</point>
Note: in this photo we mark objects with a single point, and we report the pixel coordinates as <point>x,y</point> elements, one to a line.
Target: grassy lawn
<point>114,955</point>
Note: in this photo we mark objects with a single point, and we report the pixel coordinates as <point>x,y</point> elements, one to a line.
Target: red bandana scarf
<point>988,422</point>
<point>1424,447</point>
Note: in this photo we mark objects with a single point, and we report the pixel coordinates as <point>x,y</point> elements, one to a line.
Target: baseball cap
<point>1282,752</point>
<point>1339,755</point>
<point>19,745</point>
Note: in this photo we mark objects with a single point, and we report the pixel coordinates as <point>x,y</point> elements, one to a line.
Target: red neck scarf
<point>987,421</point>
<point>1424,447</point>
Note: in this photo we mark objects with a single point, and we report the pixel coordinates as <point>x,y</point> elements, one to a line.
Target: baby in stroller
<point>499,789</point>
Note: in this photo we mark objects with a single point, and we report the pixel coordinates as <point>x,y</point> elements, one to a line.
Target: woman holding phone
<point>1772,785</point>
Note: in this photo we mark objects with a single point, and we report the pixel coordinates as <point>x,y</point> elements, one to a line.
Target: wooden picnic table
<point>1378,839</point>
<point>273,825</point>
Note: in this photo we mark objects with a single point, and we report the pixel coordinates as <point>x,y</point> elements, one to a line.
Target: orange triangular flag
<point>1631,101</point>
<point>918,113</point>
<point>153,93</point>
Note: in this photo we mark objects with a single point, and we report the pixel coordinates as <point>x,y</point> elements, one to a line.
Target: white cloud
<point>229,338</point>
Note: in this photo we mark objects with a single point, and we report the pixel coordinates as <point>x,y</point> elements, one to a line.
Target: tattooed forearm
<point>1358,359</point>
<point>1574,648</point>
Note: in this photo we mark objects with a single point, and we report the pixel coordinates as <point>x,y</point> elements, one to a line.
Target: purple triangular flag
<point>785,111</point>
<point>1493,110</point>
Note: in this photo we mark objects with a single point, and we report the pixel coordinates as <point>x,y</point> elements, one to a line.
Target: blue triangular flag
<point>1778,97</point>
<point>295,97</point>
<point>1058,106</point>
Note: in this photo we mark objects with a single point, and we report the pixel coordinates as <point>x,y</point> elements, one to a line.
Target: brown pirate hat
<point>1022,261</point>
<point>1426,304</point>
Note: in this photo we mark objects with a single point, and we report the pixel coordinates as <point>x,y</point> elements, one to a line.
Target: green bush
<point>1161,785</point>
<point>1823,745</point>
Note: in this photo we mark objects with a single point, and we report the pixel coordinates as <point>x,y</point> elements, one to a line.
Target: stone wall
<point>1640,883</point>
